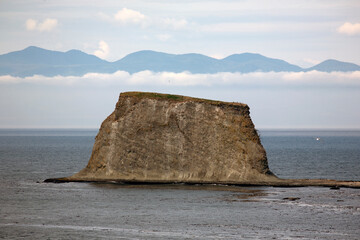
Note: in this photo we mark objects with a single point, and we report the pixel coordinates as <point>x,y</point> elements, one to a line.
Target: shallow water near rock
<point>31,209</point>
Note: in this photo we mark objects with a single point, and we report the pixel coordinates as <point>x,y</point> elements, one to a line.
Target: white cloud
<point>311,61</point>
<point>103,50</point>
<point>47,25</point>
<point>349,28</point>
<point>30,24</point>
<point>217,56</point>
<point>126,16</point>
<point>312,79</point>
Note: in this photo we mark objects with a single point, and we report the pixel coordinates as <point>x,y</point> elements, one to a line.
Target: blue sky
<point>300,32</point>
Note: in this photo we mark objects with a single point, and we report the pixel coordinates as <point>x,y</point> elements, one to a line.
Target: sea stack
<point>163,138</point>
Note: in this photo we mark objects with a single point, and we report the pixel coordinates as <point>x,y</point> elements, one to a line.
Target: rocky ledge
<point>163,138</point>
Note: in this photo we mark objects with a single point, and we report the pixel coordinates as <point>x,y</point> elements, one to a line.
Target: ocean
<point>32,209</point>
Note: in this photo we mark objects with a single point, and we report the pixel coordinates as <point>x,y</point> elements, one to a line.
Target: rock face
<point>165,138</point>
<point>162,138</point>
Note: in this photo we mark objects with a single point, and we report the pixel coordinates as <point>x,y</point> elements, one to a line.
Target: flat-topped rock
<point>152,137</point>
<point>164,138</point>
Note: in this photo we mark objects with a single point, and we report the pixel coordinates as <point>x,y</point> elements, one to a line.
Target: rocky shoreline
<point>280,183</point>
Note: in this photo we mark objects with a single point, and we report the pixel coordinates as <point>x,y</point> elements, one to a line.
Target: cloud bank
<point>312,79</point>
<point>47,25</point>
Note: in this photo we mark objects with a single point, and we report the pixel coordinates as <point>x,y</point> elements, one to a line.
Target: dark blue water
<point>313,154</point>
<point>31,209</point>
<point>39,154</point>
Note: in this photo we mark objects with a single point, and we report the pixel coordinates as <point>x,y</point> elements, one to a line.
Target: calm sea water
<point>31,209</point>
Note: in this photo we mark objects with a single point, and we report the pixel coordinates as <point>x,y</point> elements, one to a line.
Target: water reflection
<point>243,194</point>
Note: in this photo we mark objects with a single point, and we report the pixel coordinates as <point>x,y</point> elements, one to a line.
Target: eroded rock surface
<point>162,138</point>
<point>154,137</point>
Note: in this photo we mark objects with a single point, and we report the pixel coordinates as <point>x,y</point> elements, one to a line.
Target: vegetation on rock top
<point>179,98</point>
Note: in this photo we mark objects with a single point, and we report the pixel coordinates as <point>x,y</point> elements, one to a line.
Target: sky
<point>300,32</point>
<point>304,33</point>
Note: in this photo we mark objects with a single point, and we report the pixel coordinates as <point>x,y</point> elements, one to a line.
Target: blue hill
<point>35,60</point>
<point>36,55</point>
<point>158,62</point>
<point>332,65</point>
<point>251,62</point>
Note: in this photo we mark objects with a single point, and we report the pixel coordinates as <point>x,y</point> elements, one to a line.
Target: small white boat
<point>317,139</point>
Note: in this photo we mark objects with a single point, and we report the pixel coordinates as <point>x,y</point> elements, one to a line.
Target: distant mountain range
<point>37,61</point>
